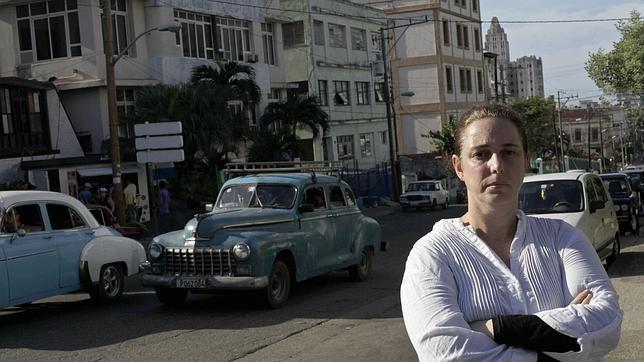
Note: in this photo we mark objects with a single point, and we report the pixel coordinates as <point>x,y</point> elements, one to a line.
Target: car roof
<point>298,179</point>
<point>613,175</point>
<point>8,198</point>
<point>424,181</point>
<point>575,175</point>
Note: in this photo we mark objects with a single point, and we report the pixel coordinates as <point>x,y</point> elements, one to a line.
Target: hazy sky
<point>563,47</point>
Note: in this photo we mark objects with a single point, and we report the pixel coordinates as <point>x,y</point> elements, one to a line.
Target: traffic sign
<point>157,129</point>
<point>159,142</point>
<point>156,156</point>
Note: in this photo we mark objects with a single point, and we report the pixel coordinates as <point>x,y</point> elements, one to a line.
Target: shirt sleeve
<point>596,325</point>
<point>434,321</point>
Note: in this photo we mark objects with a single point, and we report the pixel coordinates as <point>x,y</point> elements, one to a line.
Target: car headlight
<point>241,251</point>
<point>155,251</point>
<point>616,207</point>
<point>624,207</point>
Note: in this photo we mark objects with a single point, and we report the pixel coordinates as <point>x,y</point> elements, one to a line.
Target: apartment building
<point>59,45</point>
<point>496,42</point>
<point>331,48</point>
<point>525,78</point>
<point>436,53</point>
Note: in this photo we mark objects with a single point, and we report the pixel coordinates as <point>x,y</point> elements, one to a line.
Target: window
<point>62,217</point>
<point>52,28</point>
<point>318,32</point>
<point>195,35</point>
<point>125,100</point>
<point>383,137</point>
<point>341,93</point>
<point>475,6</point>
<point>24,124</point>
<point>477,40</point>
<point>25,217</point>
<point>337,197</point>
<point>577,134</point>
<point>459,35</point>
<point>594,134</point>
<point>269,43</point>
<point>366,140</point>
<point>461,80</point>
<point>468,77</point>
<point>466,37</point>
<point>445,32</point>
<point>362,93</point>
<point>379,90</point>
<point>376,45</point>
<point>323,92</point>
<point>345,147</point>
<point>315,197</point>
<point>449,80</point>
<point>479,81</point>
<point>348,195</point>
<point>234,39</point>
<point>293,34</point>
<point>337,36</point>
<point>358,39</point>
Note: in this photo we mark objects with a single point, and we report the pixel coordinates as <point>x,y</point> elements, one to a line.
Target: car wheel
<point>171,297</point>
<point>446,203</point>
<point>110,285</point>
<point>616,251</point>
<point>434,204</point>
<point>279,285</point>
<point>362,271</point>
<point>634,224</point>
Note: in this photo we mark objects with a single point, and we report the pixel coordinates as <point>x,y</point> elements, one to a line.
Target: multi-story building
<point>330,48</point>
<point>496,42</point>
<point>525,77</point>
<point>437,53</point>
<point>61,43</point>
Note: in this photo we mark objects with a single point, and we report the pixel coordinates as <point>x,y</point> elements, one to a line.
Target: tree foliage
<point>620,70</point>
<point>295,113</point>
<point>538,116</point>
<point>444,140</point>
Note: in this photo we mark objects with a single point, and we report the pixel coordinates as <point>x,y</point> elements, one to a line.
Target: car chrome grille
<point>414,197</point>
<point>198,261</point>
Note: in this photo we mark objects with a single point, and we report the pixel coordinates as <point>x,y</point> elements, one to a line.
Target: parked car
<point>581,200</point>
<point>265,232</point>
<point>104,216</point>
<point>636,176</point>
<point>626,201</point>
<point>51,244</point>
<point>421,194</point>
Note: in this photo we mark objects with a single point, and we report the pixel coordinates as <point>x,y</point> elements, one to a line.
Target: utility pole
<point>601,142</point>
<point>588,110</point>
<point>395,178</point>
<point>108,48</point>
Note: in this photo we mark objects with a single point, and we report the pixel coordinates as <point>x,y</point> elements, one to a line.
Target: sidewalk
<point>379,211</point>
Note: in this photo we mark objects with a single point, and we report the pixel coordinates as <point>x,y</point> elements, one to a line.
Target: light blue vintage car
<point>265,232</point>
<point>51,244</point>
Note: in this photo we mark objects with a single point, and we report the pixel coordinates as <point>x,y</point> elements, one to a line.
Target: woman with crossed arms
<point>496,284</point>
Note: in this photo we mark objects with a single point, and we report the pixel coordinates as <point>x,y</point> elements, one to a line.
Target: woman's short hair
<point>488,111</point>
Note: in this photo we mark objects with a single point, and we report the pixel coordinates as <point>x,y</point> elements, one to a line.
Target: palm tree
<point>296,112</point>
<point>239,78</point>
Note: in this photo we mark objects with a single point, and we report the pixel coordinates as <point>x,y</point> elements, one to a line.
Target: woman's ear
<point>456,163</point>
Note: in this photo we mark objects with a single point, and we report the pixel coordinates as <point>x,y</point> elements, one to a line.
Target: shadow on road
<point>627,265</point>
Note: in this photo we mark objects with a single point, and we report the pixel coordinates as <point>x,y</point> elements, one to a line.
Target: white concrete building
<point>525,78</point>
<point>496,42</point>
<point>440,60</point>
<point>330,48</point>
<point>62,41</point>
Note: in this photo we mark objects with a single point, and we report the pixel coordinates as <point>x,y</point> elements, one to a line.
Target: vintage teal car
<point>265,232</point>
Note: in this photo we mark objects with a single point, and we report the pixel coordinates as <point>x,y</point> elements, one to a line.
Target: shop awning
<point>106,170</point>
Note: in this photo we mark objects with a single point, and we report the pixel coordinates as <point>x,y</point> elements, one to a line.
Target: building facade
<point>525,78</point>
<point>331,47</point>
<point>438,58</point>
<point>61,43</point>
<point>496,43</point>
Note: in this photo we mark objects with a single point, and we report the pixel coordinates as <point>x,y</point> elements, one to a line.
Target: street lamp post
<point>110,61</point>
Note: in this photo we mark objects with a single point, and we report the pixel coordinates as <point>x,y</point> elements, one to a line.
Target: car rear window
<point>550,197</point>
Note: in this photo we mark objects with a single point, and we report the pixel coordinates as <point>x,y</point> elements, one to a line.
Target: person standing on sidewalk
<point>164,208</point>
<point>496,284</point>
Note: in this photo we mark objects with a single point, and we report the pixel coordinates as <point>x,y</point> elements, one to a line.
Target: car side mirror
<point>304,207</point>
<point>596,205</point>
<point>209,207</point>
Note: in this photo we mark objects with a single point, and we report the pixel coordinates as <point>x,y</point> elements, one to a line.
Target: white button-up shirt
<point>453,278</point>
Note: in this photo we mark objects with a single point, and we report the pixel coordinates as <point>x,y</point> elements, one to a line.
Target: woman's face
<point>492,162</point>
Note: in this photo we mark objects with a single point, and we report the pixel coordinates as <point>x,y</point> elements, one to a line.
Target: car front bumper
<point>416,203</point>
<point>212,282</point>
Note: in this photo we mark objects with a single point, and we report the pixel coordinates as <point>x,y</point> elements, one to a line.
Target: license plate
<point>191,283</point>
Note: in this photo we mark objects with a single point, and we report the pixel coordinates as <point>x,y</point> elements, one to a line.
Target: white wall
<point>415,132</point>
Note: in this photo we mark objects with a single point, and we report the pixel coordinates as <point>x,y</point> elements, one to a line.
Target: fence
<point>371,185</point>
<point>570,163</point>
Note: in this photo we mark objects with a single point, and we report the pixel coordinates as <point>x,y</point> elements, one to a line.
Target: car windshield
<point>260,195</point>
<point>549,197</point>
<point>424,186</point>
<point>617,186</point>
